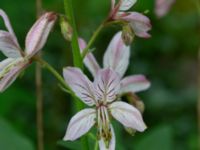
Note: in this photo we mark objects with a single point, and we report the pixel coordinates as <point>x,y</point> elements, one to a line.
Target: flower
<point>117,57</point>
<point>107,87</point>
<point>102,94</point>
<point>162,7</point>
<point>139,23</point>
<point>17,60</point>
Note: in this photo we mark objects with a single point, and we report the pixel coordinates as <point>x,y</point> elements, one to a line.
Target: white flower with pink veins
<point>140,24</point>
<point>17,60</point>
<point>103,93</point>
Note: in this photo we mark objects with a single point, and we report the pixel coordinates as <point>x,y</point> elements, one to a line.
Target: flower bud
<point>127,34</point>
<point>66,28</point>
<point>130,131</point>
<point>38,34</point>
<point>135,100</point>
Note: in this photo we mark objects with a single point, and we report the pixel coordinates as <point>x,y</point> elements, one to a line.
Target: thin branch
<point>39,92</point>
<point>94,36</point>
<point>198,101</point>
<point>39,105</point>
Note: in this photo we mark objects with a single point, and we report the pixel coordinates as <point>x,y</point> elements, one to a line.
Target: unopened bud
<point>130,131</point>
<point>38,34</point>
<point>127,34</point>
<point>66,28</point>
<point>135,100</point>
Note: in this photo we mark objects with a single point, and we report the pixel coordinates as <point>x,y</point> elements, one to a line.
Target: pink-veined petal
<point>102,145</point>
<point>134,84</point>
<point>38,34</point>
<point>107,84</point>
<point>89,60</point>
<point>8,25</point>
<point>5,63</point>
<point>162,7</point>
<point>140,24</point>
<point>80,84</point>
<point>80,124</point>
<point>117,55</point>
<point>127,115</point>
<point>11,76</point>
<point>126,4</point>
<point>8,46</point>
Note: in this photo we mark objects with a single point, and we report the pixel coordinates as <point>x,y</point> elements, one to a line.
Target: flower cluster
<point>103,94</point>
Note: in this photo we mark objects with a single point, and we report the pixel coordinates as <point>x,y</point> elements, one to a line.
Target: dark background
<point>168,59</point>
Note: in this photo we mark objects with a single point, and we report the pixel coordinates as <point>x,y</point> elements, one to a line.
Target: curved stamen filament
<point>104,124</point>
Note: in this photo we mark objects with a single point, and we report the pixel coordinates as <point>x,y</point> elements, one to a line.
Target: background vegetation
<point>168,59</point>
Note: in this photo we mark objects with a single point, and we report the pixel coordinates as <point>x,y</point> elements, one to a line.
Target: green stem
<point>44,64</point>
<point>197,3</point>
<point>92,136</point>
<point>96,145</point>
<point>77,59</point>
<point>39,93</point>
<point>96,33</point>
<point>66,88</point>
<point>198,101</point>
<point>94,36</point>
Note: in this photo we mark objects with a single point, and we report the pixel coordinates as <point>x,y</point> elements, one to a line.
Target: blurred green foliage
<point>168,59</point>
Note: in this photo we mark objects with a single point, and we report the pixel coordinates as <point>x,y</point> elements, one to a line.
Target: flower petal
<point>89,60</point>
<point>11,76</point>
<point>5,63</point>
<point>127,4</point>
<point>8,46</point>
<point>140,24</point>
<point>127,115</point>
<point>8,25</point>
<point>112,4</point>
<point>162,7</point>
<point>134,84</point>
<point>107,84</point>
<point>82,44</point>
<point>80,84</point>
<point>102,145</point>
<point>37,36</point>
<point>117,55</point>
<point>80,124</point>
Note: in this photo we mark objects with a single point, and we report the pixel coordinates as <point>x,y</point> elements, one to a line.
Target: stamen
<point>104,130</point>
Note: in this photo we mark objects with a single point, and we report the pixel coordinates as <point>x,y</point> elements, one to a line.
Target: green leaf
<point>157,139</point>
<point>75,145</point>
<point>11,140</point>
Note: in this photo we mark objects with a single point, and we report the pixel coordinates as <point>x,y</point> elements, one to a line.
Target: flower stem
<point>105,23</point>
<point>197,3</point>
<point>39,92</point>
<point>96,145</point>
<point>46,65</point>
<point>198,101</point>
<point>39,107</point>
<point>77,58</point>
<point>94,36</point>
